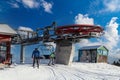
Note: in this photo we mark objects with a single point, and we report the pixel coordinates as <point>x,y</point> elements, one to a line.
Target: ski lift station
<point>6,33</point>
<point>63,36</point>
<point>93,54</point>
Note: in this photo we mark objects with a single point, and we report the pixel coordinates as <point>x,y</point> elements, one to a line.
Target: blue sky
<point>40,13</point>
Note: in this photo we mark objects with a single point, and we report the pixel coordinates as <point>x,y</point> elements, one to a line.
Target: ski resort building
<point>93,54</point>
<point>6,33</point>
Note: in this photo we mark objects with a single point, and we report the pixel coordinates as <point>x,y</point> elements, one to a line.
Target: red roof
<point>77,28</point>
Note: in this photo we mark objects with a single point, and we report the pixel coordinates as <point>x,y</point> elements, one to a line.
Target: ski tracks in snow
<point>62,72</point>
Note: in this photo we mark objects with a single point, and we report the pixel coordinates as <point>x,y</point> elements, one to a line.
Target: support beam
<point>64,52</point>
<point>8,50</point>
<point>22,54</point>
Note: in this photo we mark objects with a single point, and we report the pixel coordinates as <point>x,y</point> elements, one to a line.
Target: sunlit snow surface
<point>77,71</point>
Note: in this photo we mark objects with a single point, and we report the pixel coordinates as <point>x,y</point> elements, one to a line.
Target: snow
<point>77,71</point>
<point>5,29</point>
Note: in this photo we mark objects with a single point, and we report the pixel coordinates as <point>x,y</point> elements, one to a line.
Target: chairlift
<point>45,49</point>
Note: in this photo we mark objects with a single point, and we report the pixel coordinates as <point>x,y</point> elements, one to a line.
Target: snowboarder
<point>36,57</point>
<point>52,59</point>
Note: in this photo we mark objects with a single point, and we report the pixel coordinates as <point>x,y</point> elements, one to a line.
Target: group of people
<point>36,58</point>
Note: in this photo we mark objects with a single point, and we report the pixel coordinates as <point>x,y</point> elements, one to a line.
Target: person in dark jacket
<point>36,57</point>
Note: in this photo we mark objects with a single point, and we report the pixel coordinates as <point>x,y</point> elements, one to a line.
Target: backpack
<point>52,55</point>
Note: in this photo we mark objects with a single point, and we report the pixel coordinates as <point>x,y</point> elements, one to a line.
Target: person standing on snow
<point>36,57</point>
<point>52,59</point>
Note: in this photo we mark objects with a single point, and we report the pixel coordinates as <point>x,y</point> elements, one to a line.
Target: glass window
<point>99,52</point>
<point>104,52</point>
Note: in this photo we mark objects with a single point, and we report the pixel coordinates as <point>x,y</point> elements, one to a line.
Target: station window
<point>2,52</point>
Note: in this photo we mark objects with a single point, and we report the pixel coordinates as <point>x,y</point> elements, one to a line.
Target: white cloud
<point>111,34</point>
<point>36,4</point>
<point>117,55</point>
<point>22,32</point>
<point>112,39</point>
<point>111,6</point>
<point>25,28</point>
<point>14,5</point>
<point>25,3</point>
<point>83,19</point>
<point>30,3</point>
<point>47,6</point>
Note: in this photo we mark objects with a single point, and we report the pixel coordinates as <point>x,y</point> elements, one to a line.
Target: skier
<point>52,59</point>
<point>36,57</point>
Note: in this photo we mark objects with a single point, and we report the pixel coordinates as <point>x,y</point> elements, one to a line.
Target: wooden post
<point>8,51</point>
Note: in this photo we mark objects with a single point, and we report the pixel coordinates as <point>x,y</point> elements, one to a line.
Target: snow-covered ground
<point>77,71</point>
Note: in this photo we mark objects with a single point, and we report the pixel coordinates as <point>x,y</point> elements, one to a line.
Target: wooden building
<point>6,33</point>
<point>93,54</point>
